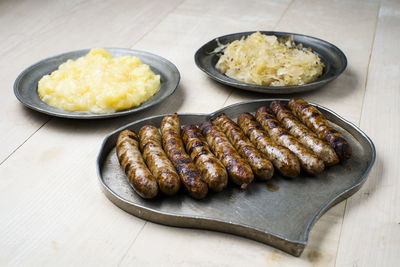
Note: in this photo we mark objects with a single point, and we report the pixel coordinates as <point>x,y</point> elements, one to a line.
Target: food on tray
<point>130,159</point>
<point>314,119</point>
<point>259,163</point>
<point>157,161</point>
<point>99,83</point>
<point>283,159</point>
<point>211,169</point>
<point>173,146</point>
<point>304,135</point>
<point>221,148</point>
<point>238,169</point>
<point>265,60</point>
<point>308,161</point>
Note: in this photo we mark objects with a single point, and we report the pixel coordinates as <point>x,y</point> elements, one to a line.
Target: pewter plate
<point>334,59</point>
<point>25,86</point>
<point>279,213</point>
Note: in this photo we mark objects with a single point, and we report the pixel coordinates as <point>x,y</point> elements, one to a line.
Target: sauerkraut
<point>265,60</point>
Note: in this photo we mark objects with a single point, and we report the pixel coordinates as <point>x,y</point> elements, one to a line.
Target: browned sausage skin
<point>173,146</point>
<point>212,170</point>
<point>238,169</point>
<point>303,134</point>
<point>259,163</point>
<point>309,162</point>
<point>130,159</point>
<point>157,161</point>
<point>283,159</point>
<point>314,119</point>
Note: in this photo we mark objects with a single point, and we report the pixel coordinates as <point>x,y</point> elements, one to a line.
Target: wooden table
<point>53,212</point>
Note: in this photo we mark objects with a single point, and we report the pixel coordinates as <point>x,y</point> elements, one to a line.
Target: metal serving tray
<point>279,213</point>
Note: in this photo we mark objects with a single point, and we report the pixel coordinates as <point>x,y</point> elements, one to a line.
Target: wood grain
<point>53,211</point>
<point>371,225</point>
<point>191,25</point>
<point>345,94</point>
<point>52,208</point>
<point>33,30</point>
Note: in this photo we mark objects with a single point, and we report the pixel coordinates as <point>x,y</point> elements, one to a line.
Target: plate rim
<point>70,114</point>
<point>114,197</point>
<point>271,89</point>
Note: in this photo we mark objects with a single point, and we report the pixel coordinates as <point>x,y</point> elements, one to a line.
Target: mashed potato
<point>99,83</point>
<point>264,60</point>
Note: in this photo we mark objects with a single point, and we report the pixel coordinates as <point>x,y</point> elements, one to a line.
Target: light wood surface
<point>53,212</point>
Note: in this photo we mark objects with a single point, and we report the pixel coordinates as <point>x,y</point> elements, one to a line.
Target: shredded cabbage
<point>264,60</point>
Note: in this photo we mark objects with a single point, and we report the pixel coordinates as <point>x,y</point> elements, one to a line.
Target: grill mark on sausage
<point>317,122</point>
<point>314,114</point>
<point>132,136</point>
<point>131,161</point>
<point>238,169</point>
<point>127,167</point>
<point>157,160</point>
<point>211,169</point>
<point>282,158</point>
<point>309,162</point>
<point>195,145</point>
<point>260,165</point>
<point>201,153</point>
<point>187,171</point>
<point>331,131</point>
<point>303,134</point>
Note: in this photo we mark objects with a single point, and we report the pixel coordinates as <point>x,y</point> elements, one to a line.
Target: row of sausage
<point>279,137</point>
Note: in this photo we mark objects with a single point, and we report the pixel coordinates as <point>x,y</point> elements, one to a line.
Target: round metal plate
<point>25,86</point>
<point>334,59</point>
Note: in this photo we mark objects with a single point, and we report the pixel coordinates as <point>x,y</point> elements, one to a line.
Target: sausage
<point>173,146</point>
<point>157,161</point>
<point>210,167</point>
<point>314,119</point>
<point>303,134</point>
<point>308,161</point>
<point>259,163</point>
<point>283,159</point>
<point>238,169</point>
<point>130,159</point>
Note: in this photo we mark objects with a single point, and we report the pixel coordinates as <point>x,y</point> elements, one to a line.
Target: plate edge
<point>92,116</point>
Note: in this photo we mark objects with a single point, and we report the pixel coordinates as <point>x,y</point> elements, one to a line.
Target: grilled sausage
<point>309,162</point>
<point>238,169</point>
<point>130,159</point>
<point>259,163</point>
<point>317,122</point>
<point>303,134</point>
<point>157,161</point>
<point>173,146</point>
<point>283,159</point>
<point>210,167</point>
